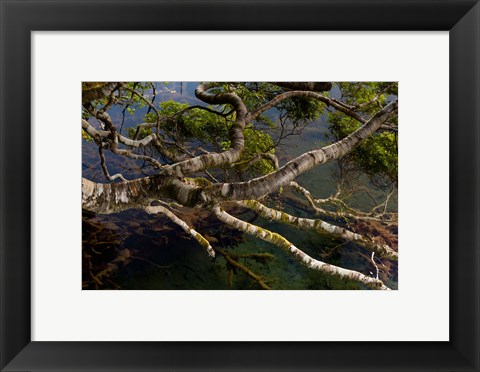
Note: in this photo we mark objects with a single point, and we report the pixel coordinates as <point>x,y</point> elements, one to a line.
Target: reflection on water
<point>134,250</point>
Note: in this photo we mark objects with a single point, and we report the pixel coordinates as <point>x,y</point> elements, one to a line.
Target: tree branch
<point>348,212</point>
<point>196,235</point>
<point>313,86</point>
<point>103,163</point>
<point>340,106</point>
<point>320,226</point>
<point>256,158</point>
<point>262,186</point>
<point>237,140</point>
<point>305,259</point>
<point>115,197</point>
<point>246,270</point>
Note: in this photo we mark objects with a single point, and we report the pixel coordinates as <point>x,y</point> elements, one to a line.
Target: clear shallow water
<point>150,252</point>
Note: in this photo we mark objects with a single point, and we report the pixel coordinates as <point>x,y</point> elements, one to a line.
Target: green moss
<point>200,181</point>
<point>203,242</point>
<point>260,230</point>
<point>86,136</point>
<point>251,203</point>
<point>284,217</point>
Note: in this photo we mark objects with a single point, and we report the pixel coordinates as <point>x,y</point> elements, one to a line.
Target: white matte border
<point>418,311</point>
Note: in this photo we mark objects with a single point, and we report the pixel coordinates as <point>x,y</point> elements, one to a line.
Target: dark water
<point>135,250</point>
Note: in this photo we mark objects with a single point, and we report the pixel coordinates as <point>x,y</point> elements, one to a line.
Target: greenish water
<point>185,265</point>
<point>161,256</point>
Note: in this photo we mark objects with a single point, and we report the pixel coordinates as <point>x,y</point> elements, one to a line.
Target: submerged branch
<point>346,211</point>
<point>280,241</point>
<point>321,226</point>
<point>246,270</point>
<point>196,235</point>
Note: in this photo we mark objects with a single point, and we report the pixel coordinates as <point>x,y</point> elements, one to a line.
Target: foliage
<point>86,136</point>
<point>195,124</point>
<point>142,133</point>
<point>187,141</point>
<point>257,142</point>
<point>377,156</point>
<point>254,95</point>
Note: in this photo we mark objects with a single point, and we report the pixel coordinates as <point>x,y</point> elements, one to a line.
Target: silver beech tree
<point>220,156</point>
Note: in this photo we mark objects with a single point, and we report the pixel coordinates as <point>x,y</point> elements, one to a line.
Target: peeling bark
<point>106,198</point>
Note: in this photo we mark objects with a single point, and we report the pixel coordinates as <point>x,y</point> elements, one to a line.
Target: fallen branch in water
<point>280,241</point>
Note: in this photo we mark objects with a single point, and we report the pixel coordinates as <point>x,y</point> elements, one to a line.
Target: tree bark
<point>117,196</point>
<point>322,227</point>
<point>94,91</point>
<point>259,187</point>
<point>304,258</point>
<point>237,140</point>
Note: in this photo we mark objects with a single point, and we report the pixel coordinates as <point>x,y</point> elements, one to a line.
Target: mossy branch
<point>320,226</point>
<point>304,258</point>
<point>195,234</point>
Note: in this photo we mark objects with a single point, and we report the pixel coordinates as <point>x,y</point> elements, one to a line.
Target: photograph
<point>239,185</point>
<point>229,148</point>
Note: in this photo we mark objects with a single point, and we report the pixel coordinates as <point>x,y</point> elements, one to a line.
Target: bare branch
<point>150,105</point>
<point>256,158</point>
<point>340,106</point>
<point>384,204</point>
<point>345,211</point>
<point>246,270</point>
<point>103,162</point>
<point>374,264</point>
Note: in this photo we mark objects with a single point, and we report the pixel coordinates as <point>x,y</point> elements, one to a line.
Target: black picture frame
<point>19,17</point>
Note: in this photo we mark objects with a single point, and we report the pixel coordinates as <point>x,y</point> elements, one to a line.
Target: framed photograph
<point>259,146</point>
